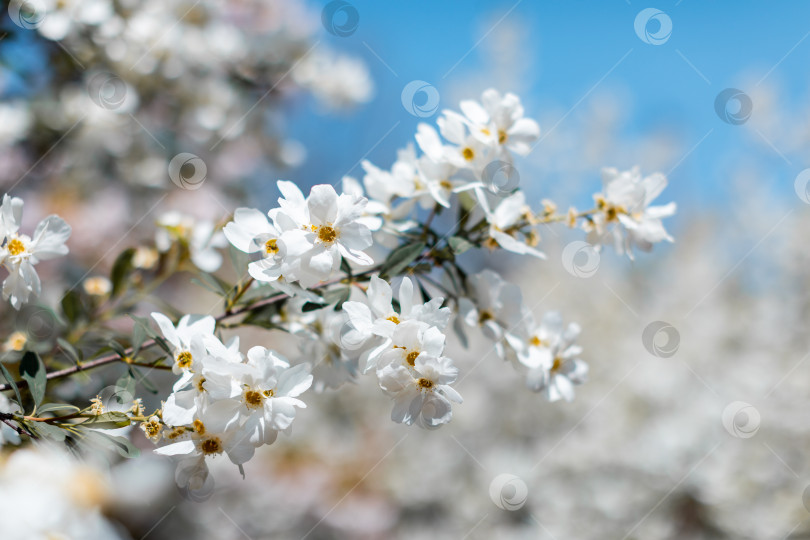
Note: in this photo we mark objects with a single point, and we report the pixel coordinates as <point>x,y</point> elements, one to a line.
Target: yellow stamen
<point>15,247</point>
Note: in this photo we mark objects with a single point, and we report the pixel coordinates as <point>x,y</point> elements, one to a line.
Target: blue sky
<point>572,46</point>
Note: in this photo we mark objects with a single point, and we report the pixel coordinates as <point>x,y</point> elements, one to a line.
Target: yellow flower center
<point>200,384</point>
<point>253,399</point>
<point>327,234</point>
<point>15,247</point>
<point>468,153</point>
<point>184,359</point>
<point>485,131</point>
<point>536,342</point>
<point>556,365</point>
<point>393,318</point>
<point>411,358</point>
<point>151,428</point>
<point>445,184</point>
<point>425,384</point>
<point>211,446</point>
<point>271,247</point>
<point>199,427</point>
<point>502,136</point>
<point>485,316</point>
<point>16,342</point>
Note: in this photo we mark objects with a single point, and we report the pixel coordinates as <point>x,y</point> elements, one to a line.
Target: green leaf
<point>213,284</point>
<point>12,383</point>
<point>459,245</point>
<point>44,430</point>
<point>337,296</point>
<point>118,348</point>
<point>164,345</point>
<point>97,439</point>
<point>50,407</point>
<point>33,372</point>
<point>239,259</point>
<point>138,337</point>
<point>72,306</point>
<point>107,420</point>
<point>144,324</point>
<point>125,383</point>
<point>312,306</point>
<point>458,327</point>
<point>122,267</point>
<point>72,352</point>
<point>142,379</point>
<point>401,257</point>
<point>346,267</point>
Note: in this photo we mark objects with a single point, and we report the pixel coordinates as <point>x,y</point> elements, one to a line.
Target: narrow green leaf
<point>33,372</point>
<point>401,257</point>
<point>346,267</point>
<point>337,296</point>
<point>107,420</point>
<point>138,337</point>
<point>144,324</point>
<point>312,306</point>
<point>72,306</point>
<point>12,383</point>
<point>70,351</point>
<point>459,245</point>
<point>97,439</point>
<point>44,430</point>
<point>143,380</point>
<point>118,348</point>
<point>50,407</point>
<point>122,267</point>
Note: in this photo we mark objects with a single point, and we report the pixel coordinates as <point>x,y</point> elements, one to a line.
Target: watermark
<point>27,14</point>
<point>340,18</point>
<point>187,171</point>
<point>508,492</point>
<point>107,90</point>
<point>653,26</point>
<point>420,98</point>
<point>733,106</point>
<point>802,186</point>
<point>661,339</point>
<point>741,419</point>
<point>580,259</point>
<point>500,177</point>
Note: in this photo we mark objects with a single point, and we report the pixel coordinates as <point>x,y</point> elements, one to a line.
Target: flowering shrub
<point>372,278</point>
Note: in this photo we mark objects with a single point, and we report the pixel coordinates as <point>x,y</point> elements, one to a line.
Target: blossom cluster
<point>223,402</point>
<point>324,268</point>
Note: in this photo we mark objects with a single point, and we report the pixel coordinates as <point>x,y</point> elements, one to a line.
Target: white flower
<point>625,217</point>
<point>493,305</point>
<point>187,340</point>
<point>549,353</point>
<point>214,431</point>
<point>19,252</point>
<point>322,344</point>
<point>506,223</point>
<point>466,152</point>
<point>251,232</point>
<point>332,227</point>
<point>498,122</point>
<point>379,318</point>
<point>422,393</point>
<point>200,236</point>
<point>267,392</point>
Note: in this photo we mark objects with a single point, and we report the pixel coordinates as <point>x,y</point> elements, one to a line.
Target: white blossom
<point>625,217</point>
<point>20,252</point>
